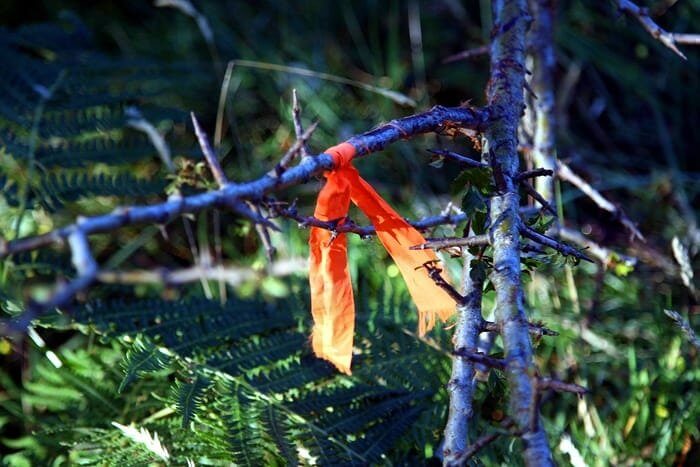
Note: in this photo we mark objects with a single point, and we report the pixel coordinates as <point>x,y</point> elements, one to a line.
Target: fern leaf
<point>275,424</point>
<point>245,431</point>
<point>381,437</point>
<point>143,357</point>
<point>142,436</point>
<point>188,397</point>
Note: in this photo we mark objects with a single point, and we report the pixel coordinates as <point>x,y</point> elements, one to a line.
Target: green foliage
<point>236,382</point>
<point>142,357</point>
<point>268,404</point>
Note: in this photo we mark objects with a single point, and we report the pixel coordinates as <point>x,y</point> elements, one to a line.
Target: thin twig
<point>560,386</point>
<point>537,330</point>
<point>231,275</point>
<point>460,159</point>
<point>669,39</point>
<point>534,173</point>
<point>136,121</point>
<point>434,273</point>
<point>349,226</point>
<point>538,197</point>
<point>477,357</point>
<point>438,244</point>
<point>209,153</point>
<point>684,325</point>
<point>565,173</point>
<point>484,441</point>
<point>295,148</point>
<point>263,233</point>
<point>298,127</point>
<point>469,53</point>
<point>542,239</point>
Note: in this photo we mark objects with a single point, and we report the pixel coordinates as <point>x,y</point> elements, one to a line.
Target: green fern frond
<point>188,396</point>
<point>256,352</point>
<point>143,357</point>
<point>245,432</point>
<point>294,375</point>
<point>382,436</point>
<point>59,188</point>
<point>185,327</point>
<point>275,423</point>
<point>252,395</point>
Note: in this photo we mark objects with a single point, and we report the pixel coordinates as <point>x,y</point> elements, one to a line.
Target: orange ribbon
<point>332,303</point>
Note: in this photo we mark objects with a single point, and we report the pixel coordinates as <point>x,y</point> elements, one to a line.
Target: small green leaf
<point>479,222</point>
<point>472,201</point>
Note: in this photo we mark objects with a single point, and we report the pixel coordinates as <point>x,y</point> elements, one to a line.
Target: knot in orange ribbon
<point>332,303</point>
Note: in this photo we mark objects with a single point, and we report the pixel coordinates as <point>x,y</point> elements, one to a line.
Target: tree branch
<point>461,385</point>
<point>440,243</point>
<point>669,39</point>
<point>228,194</point>
<point>684,325</point>
<point>542,239</point>
<point>505,94</point>
<point>278,209</point>
<point>565,173</point>
<point>372,141</point>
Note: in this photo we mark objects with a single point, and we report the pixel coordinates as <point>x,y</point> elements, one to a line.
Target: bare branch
<point>372,141</point>
<point>231,275</point>
<point>669,39</point>
<point>684,325</point>
<point>440,243</point>
<point>298,127</point>
<point>541,172</point>
<point>542,239</point>
<point>469,53</point>
<point>478,357</point>
<point>560,386</point>
<point>460,159</point>
<point>292,152</point>
<point>530,190</point>
<point>349,226</point>
<point>565,173</point>
<point>434,273</point>
<point>690,39</point>
<point>209,153</point>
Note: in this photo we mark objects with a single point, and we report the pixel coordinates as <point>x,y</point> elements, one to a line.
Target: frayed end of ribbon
<point>427,319</point>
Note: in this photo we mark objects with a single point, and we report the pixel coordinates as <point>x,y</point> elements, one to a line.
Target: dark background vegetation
<point>628,111</point>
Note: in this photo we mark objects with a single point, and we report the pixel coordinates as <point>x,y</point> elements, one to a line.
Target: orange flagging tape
<point>332,303</point>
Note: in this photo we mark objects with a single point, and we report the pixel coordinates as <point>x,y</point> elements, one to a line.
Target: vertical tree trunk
<point>542,85</point>
<point>505,96</point>
<point>461,385</point>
